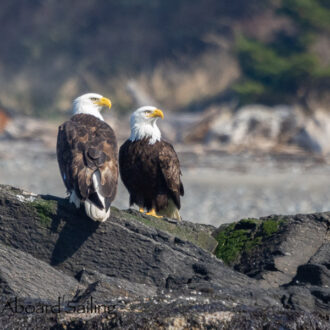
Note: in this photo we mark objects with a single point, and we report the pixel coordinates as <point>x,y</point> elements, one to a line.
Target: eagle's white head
<point>143,124</point>
<point>90,104</point>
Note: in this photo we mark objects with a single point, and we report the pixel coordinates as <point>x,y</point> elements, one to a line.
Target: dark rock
<point>134,271</point>
<point>306,298</point>
<point>322,256</point>
<point>313,274</point>
<point>25,276</point>
<point>291,252</point>
<point>271,249</point>
<point>123,248</point>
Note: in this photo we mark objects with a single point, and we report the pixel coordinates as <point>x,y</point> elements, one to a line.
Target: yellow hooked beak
<point>157,113</point>
<point>104,102</point>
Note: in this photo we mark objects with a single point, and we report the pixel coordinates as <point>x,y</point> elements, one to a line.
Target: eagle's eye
<point>93,99</point>
<point>148,111</point>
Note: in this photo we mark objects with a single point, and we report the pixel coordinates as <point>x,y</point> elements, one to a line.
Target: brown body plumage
<point>87,145</point>
<point>151,174</point>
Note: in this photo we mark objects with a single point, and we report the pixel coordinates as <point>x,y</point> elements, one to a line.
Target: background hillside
<point>186,55</point>
<point>244,86</point>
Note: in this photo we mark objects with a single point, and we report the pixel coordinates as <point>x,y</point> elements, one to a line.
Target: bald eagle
<point>87,157</point>
<point>150,168</point>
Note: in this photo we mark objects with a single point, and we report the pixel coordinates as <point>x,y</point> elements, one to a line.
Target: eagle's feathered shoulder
<point>86,144</point>
<point>170,167</point>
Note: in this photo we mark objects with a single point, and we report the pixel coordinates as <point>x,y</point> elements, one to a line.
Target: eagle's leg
<point>141,209</point>
<point>153,213</point>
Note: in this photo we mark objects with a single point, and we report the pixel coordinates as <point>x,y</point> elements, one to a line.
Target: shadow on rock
<point>76,230</point>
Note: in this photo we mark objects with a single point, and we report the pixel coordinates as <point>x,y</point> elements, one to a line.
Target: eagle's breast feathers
<point>151,173</point>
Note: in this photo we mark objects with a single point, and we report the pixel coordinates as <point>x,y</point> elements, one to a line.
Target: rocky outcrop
<point>257,127</point>
<point>291,252</point>
<point>41,281</point>
<point>61,269</point>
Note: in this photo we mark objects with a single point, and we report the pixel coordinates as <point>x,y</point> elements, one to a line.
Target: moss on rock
<point>244,236</point>
<point>45,209</point>
<point>271,226</point>
<point>197,234</point>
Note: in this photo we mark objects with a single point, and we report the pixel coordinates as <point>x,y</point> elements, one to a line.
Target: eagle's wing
<point>87,145</point>
<point>170,167</point>
<point>64,156</point>
<point>127,166</point>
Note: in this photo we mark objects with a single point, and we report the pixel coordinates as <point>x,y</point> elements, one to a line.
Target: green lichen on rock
<point>244,236</point>
<point>235,238</point>
<point>195,233</point>
<point>45,209</point>
<point>230,244</point>
<point>271,226</point>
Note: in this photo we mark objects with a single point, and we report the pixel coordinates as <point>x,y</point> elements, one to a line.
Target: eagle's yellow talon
<point>141,209</point>
<point>153,214</point>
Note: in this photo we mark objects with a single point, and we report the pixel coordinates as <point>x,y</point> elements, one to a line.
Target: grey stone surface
<point>294,255</point>
<point>297,240</point>
<point>137,275</point>
<point>123,247</point>
<point>25,276</point>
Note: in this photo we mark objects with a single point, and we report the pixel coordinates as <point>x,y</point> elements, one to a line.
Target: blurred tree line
<point>53,50</point>
<point>286,68</point>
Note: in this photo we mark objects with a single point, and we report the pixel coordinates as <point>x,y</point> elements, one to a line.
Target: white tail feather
<point>95,213</point>
<point>171,211</point>
<point>91,209</point>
